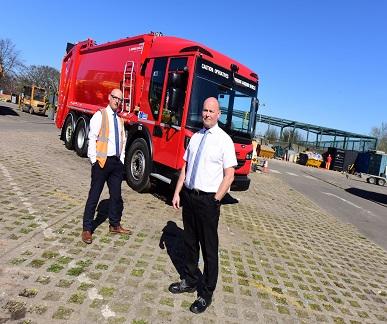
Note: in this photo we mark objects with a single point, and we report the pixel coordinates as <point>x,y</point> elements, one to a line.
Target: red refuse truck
<point>165,81</point>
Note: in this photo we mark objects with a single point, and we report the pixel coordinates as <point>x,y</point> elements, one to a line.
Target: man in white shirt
<point>106,152</point>
<point>205,178</point>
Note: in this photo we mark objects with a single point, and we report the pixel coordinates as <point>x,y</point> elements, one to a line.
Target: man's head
<point>115,99</point>
<point>211,112</point>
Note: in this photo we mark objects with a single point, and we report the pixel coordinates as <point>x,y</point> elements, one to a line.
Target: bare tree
<point>271,134</point>
<point>10,60</point>
<point>291,135</point>
<point>9,84</point>
<point>42,76</point>
<point>10,65</point>
<point>381,134</point>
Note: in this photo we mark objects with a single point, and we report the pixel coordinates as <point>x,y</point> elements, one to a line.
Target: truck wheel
<point>80,139</point>
<point>381,182</point>
<point>371,180</point>
<point>69,133</point>
<point>137,166</point>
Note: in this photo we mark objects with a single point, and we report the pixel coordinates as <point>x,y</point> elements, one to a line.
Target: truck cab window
<point>176,91</point>
<point>156,86</point>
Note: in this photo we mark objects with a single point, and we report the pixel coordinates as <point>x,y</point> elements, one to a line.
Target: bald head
<point>211,102</point>
<point>115,99</point>
<point>211,112</point>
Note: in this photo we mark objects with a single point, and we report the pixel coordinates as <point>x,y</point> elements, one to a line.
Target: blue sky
<point>320,62</point>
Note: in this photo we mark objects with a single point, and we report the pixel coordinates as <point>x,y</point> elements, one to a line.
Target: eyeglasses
<point>116,98</point>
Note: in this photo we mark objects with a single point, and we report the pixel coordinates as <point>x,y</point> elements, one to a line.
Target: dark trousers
<point>111,173</point>
<point>200,219</point>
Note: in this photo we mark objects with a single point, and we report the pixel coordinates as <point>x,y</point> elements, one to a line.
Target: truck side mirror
<point>175,80</point>
<point>175,97</point>
<point>177,84</point>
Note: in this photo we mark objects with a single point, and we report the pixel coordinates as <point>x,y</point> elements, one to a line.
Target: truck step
<point>161,177</point>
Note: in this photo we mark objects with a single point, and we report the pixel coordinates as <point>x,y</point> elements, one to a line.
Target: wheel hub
<point>69,133</point>
<point>137,165</point>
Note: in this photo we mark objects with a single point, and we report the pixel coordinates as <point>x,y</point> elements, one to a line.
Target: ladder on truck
<point>127,85</point>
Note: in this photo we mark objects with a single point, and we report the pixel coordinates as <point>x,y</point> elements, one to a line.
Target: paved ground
<point>351,199</point>
<point>282,258</point>
<point>335,178</point>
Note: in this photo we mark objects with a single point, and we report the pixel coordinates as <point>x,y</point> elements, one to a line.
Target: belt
<point>198,192</point>
<point>114,157</point>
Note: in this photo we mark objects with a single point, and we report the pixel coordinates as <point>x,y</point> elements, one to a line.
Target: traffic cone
<point>265,166</point>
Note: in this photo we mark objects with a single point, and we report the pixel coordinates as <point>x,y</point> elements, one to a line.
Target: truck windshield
<point>234,93</point>
<point>39,94</point>
<point>27,92</point>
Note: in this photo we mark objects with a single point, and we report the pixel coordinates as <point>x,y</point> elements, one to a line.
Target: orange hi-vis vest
<point>103,136</point>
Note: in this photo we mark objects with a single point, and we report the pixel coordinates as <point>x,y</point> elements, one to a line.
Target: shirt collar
<point>110,110</point>
<point>210,130</point>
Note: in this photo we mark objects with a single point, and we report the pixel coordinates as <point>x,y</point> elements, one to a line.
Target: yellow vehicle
<point>32,100</point>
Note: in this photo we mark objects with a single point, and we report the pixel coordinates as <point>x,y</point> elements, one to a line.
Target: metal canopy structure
<point>364,142</point>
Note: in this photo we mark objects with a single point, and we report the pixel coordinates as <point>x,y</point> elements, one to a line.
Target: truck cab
<point>178,87</point>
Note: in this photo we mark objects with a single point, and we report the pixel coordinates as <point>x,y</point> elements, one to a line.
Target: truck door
<point>152,95</point>
<point>167,135</point>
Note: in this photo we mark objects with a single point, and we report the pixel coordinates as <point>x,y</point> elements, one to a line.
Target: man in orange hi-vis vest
<point>106,152</point>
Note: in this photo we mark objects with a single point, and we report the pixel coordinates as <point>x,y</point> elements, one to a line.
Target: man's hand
<point>176,201</point>
<point>179,185</point>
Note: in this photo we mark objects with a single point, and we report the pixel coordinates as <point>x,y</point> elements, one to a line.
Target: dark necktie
<point>116,135</point>
<point>196,161</point>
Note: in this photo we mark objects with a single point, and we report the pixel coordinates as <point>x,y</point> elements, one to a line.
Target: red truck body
<point>165,81</point>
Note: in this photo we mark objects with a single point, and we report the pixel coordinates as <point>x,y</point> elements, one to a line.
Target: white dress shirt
<point>218,154</point>
<point>95,126</point>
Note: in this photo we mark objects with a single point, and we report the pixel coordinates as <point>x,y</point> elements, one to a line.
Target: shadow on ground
<point>103,213</point>
<point>162,191</point>
<point>375,197</point>
<point>6,111</point>
<point>173,241</point>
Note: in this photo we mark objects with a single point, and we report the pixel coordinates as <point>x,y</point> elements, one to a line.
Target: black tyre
<point>381,182</point>
<point>68,131</point>
<point>371,180</point>
<point>81,137</point>
<point>138,165</point>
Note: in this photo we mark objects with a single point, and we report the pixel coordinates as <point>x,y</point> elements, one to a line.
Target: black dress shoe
<point>181,287</point>
<point>200,305</point>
